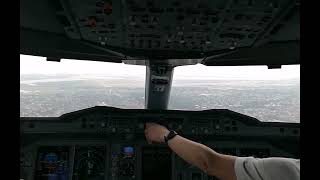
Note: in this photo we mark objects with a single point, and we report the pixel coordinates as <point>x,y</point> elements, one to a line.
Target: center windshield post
<point>158,84</point>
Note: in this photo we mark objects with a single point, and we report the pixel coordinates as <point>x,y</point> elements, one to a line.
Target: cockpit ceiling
<point>113,30</point>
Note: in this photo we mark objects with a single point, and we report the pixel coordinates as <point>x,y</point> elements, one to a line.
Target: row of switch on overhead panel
<point>170,40</point>
<point>155,20</point>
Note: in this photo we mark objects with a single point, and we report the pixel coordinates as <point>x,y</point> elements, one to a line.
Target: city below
<point>54,95</point>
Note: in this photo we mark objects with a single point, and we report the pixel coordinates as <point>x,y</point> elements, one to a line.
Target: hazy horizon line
<point>89,75</point>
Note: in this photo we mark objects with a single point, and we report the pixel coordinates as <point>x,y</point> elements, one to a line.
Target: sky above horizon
<point>39,65</point>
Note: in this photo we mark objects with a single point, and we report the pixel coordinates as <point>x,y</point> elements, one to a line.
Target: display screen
<point>128,151</point>
<point>156,163</point>
<point>52,163</point>
<point>89,163</point>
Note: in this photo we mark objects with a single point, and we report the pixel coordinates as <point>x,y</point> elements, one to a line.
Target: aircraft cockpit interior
<point>108,143</point>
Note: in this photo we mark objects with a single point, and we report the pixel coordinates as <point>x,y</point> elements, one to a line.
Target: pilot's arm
<point>222,166</point>
<point>211,162</point>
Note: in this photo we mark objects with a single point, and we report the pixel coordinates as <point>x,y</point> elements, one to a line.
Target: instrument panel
<point>122,30</point>
<point>194,26</point>
<point>108,143</point>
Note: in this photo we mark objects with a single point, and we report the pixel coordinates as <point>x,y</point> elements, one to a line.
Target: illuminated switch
<point>92,22</point>
<point>107,9</point>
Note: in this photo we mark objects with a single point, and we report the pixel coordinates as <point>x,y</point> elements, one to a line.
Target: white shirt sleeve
<point>249,168</point>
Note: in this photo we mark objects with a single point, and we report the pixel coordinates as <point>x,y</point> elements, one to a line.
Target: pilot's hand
<point>155,133</point>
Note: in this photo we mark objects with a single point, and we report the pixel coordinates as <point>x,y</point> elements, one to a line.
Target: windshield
<point>266,94</point>
<point>54,88</point>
